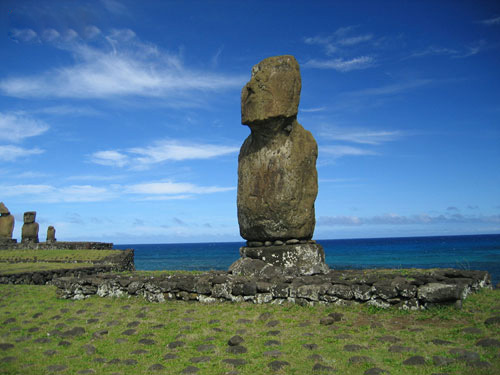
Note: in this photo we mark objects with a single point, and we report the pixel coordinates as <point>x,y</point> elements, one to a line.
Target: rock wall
<point>48,277</point>
<point>123,261</point>
<point>62,245</point>
<point>403,289</point>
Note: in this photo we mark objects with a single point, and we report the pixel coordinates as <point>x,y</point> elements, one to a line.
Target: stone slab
<point>307,258</point>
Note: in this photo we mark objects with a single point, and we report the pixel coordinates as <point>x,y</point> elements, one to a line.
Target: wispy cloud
<point>455,53</point>
<point>491,21</point>
<point>342,65</point>
<point>395,219</point>
<point>126,67</point>
<point>53,194</point>
<point>174,188</point>
<point>115,7</point>
<point>361,136</point>
<point>11,153</point>
<point>110,158</point>
<point>23,35</point>
<point>345,43</point>
<point>342,37</point>
<point>16,126</point>
<point>311,110</point>
<point>161,151</point>
<point>339,151</point>
<point>391,89</point>
<point>158,190</point>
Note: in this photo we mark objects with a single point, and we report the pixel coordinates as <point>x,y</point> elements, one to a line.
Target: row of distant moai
<point>277,177</point>
<point>30,229</point>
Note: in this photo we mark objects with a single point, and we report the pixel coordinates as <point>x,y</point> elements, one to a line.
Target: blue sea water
<point>481,252</point>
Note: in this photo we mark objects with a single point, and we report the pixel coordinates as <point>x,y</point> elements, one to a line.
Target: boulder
<point>277,177</point>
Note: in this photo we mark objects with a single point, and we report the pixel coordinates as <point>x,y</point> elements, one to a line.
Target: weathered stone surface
<point>437,292</point>
<point>299,259</point>
<point>273,91</point>
<point>6,223</point>
<point>51,234</point>
<point>30,228</point>
<point>277,178</point>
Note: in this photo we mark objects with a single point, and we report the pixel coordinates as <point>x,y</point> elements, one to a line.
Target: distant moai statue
<point>30,228</point>
<point>6,224</point>
<point>51,234</point>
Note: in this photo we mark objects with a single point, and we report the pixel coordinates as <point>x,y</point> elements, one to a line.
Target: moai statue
<point>6,224</point>
<point>51,234</point>
<point>30,227</point>
<point>277,177</point>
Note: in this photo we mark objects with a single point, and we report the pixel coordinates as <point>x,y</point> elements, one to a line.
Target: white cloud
<point>316,109</point>
<point>174,188</point>
<point>70,35</point>
<point>491,21</point>
<point>395,219</point>
<point>91,32</point>
<point>128,68</point>
<point>341,38</point>
<point>362,136</point>
<point>339,151</point>
<point>391,89</point>
<point>172,150</point>
<point>11,153</point>
<point>52,194</point>
<point>158,190</point>
<point>114,7</point>
<point>50,35</point>
<point>459,53</point>
<point>161,151</point>
<point>341,65</point>
<point>110,158</point>
<point>24,35</point>
<point>16,126</point>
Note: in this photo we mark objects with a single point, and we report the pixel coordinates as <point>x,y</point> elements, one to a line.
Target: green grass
<point>37,311</point>
<point>55,255</point>
<point>10,268</point>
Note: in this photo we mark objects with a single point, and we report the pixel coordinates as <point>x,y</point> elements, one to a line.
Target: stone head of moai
<point>4,211</point>
<point>272,92</point>
<point>6,222</point>
<point>29,217</point>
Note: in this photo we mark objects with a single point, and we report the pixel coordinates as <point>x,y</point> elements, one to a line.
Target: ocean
<point>478,252</point>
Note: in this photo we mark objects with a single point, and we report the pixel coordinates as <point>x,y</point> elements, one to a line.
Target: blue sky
<point>120,120</point>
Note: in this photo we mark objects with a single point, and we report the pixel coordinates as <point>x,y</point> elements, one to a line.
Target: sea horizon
<point>467,252</point>
<point>315,239</point>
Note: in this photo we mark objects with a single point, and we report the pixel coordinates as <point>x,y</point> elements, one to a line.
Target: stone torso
<point>277,184</point>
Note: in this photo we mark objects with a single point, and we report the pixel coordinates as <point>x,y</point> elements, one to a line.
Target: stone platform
<point>404,289</point>
<point>55,245</point>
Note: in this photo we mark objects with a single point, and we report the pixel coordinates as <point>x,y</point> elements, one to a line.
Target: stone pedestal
<point>297,259</point>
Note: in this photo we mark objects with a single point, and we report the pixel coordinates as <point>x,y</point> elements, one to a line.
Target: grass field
<point>19,261</point>
<point>41,334</point>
